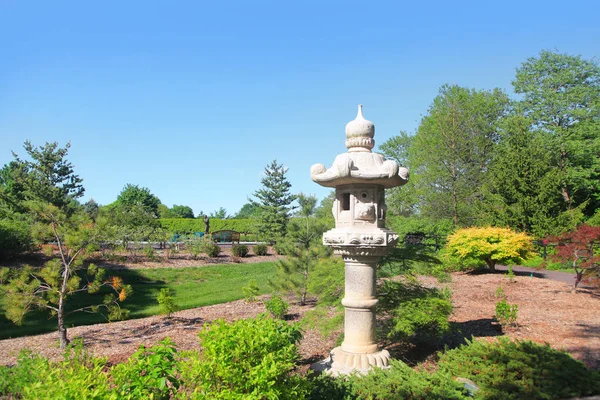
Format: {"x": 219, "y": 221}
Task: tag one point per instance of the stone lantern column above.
{"x": 359, "y": 177}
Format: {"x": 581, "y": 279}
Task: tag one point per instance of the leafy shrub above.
{"x": 260, "y": 249}
{"x": 277, "y": 307}
{"x": 15, "y": 238}
{"x": 211, "y": 249}
{"x": 414, "y": 311}
{"x": 506, "y": 314}
{"x": 239, "y": 250}
{"x": 252, "y": 358}
{"x": 30, "y": 368}
{"x": 77, "y": 376}
{"x": 475, "y": 247}
{"x": 519, "y": 370}
{"x": 166, "y": 302}
{"x": 149, "y": 373}
{"x": 251, "y": 290}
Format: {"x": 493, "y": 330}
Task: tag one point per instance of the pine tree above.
{"x": 275, "y": 203}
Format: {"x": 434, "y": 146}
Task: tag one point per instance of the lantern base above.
{"x": 341, "y": 362}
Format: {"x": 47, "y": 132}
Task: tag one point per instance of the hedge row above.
{"x": 186, "y": 226}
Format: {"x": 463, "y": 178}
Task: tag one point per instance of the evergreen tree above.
{"x": 523, "y": 189}
{"x": 275, "y": 202}
{"x": 46, "y": 176}
{"x": 562, "y": 98}
{"x": 303, "y": 249}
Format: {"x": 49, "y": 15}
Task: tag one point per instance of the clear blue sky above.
{"x": 193, "y": 99}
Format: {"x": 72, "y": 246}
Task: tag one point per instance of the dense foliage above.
{"x": 257, "y": 358}
{"x": 533, "y": 165}
{"x": 476, "y": 247}
{"x": 519, "y": 370}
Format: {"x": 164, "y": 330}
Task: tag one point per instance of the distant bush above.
{"x": 251, "y": 290}
{"x": 211, "y": 249}
{"x": 260, "y": 249}
{"x": 519, "y": 370}
{"x": 15, "y": 238}
{"x": 277, "y": 307}
{"x": 239, "y": 250}
{"x": 166, "y": 302}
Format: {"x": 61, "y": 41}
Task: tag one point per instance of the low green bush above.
{"x": 78, "y": 376}
{"x": 414, "y": 311}
{"x": 166, "y": 302}
{"x": 15, "y": 238}
{"x": 277, "y": 307}
{"x": 260, "y": 249}
{"x": 519, "y": 370}
{"x": 149, "y": 373}
{"x": 251, "y": 290}
{"x": 402, "y": 382}
{"x": 253, "y": 358}
{"x": 211, "y": 249}
{"x": 506, "y": 313}
{"x": 239, "y": 250}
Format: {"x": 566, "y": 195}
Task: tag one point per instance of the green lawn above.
{"x": 193, "y": 287}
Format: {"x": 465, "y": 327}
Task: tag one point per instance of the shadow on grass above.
{"x": 41, "y": 321}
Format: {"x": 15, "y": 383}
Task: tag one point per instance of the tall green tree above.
{"x": 221, "y": 213}
{"x": 452, "y": 149}
{"x": 523, "y": 186}
{"x": 133, "y": 195}
{"x": 400, "y": 200}
{"x": 561, "y": 95}
{"x": 182, "y": 211}
{"x": 46, "y": 175}
{"x": 275, "y": 202}
{"x": 248, "y": 210}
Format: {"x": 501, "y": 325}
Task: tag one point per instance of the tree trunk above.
{"x": 491, "y": 265}
{"x": 578, "y": 278}
{"x": 62, "y": 331}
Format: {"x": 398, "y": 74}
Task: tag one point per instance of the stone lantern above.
{"x": 360, "y": 237}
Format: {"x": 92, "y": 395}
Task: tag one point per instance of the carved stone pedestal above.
{"x": 359, "y": 352}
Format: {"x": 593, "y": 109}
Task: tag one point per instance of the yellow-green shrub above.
{"x": 474, "y": 247}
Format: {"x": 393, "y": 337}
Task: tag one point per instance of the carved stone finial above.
{"x": 359, "y": 133}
